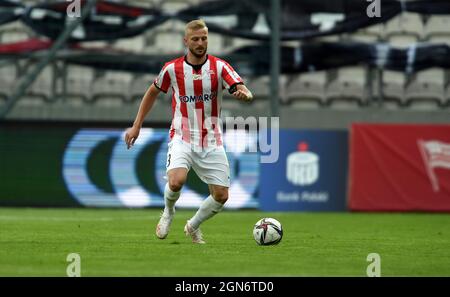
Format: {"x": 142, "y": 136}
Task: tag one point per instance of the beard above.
{"x": 196, "y": 54}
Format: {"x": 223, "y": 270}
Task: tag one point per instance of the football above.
{"x": 267, "y": 231}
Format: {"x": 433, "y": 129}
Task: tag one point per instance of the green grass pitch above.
{"x": 36, "y": 242}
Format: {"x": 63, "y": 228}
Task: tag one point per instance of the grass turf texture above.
{"x": 36, "y": 242}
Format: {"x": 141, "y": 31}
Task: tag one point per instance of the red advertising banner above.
{"x": 399, "y": 167}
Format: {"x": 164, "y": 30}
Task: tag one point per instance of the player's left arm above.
{"x": 242, "y": 93}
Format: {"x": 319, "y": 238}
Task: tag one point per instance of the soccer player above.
{"x": 197, "y": 81}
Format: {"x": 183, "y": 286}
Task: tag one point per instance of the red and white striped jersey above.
{"x": 196, "y": 98}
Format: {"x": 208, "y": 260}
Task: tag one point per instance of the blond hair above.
{"x": 195, "y": 25}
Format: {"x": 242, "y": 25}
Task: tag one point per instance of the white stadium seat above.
{"x": 307, "y": 88}
{"x": 78, "y": 83}
{"x": 364, "y": 36}
{"x": 350, "y": 87}
{"x": 427, "y": 87}
{"x": 8, "y": 75}
{"x": 139, "y": 85}
{"x": 43, "y": 85}
{"x": 405, "y": 24}
{"x": 31, "y": 101}
{"x": 134, "y": 44}
{"x": 447, "y": 95}
{"x": 112, "y": 88}
{"x": 159, "y": 41}
{"x": 402, "y": 41}
{"x": 375, "y": 30}
{"x": 440, "y": 39}
{"x": 394, "y": 84}
{"x": 437, "y": 25}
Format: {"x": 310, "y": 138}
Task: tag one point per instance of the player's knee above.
{"x": 221, "y": 196}
{"x": 175, "y": 185}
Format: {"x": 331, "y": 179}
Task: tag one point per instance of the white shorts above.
{"x": 211, "y": 165}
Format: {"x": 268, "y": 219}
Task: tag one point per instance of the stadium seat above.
{"x": 43, "y": 85}
{"x": 110, "y": 102}
{"x": 260, "y": 87}
{"x": 402, "y": 41}
{"x": 350, "y": 87}
{"x": 237, "y": 42}
{"x": 375, "y": 30}
{"x": 72, "y": 102}
{"x": 14, "y": 32}
{"x": 406, "y": 24}
{"x": 173, "y": 7}
{"x": 96, "y": 45}
{"x": 440, "y": 39}
{"x": 161, "y": 110}
{"x": 307, "y": 88}
{"x": 428, "y": 87}
{"x": 112, "y": 88}
{"x": 14, "y": 36}
{"x": 304, "y": 104}
{"x": 134, "y": 44}
{"x": 8, "y": 79}
{"x": 394, "y": 84}
{"x": 157, "y": 43}
{"x": 31, "y": 101}
{"x": 216, "y": 44}
{"x": 139, "y": 85}
{"x": 78, "y": 83}
{"x": 447, "y": 96}
{"x": 78, "y": 89}
{"x": 364, "y": 36}
{"x": 437, "y": 25}
{"x": 424, "y": 105}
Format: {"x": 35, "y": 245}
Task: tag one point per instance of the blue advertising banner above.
{"x": 129, "y": 183}
{"x": 310, "y": 174}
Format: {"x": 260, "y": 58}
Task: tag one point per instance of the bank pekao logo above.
{"x": 302, "y": 167}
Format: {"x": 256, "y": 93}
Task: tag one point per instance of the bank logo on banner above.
{"x": 313, "y": 167}
{"x": 434, "y": 154}
{"x": 302, "y": 168}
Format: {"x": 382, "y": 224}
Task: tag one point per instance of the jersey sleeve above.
{"x": 162, "y": 81}
{"x": 230, "y": 76}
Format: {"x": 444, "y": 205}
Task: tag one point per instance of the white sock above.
{"x": 208, "y": 209}
{"x": 170, "y": 197}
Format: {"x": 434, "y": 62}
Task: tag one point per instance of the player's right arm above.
{"x": 146, "y": 105}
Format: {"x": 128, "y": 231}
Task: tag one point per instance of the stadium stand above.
{"x": 354, "y": 88}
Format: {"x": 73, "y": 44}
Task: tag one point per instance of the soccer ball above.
{"x": 267, "y": 231}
